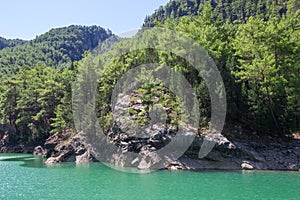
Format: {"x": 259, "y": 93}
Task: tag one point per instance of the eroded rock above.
{"x": 67, "y": 148}
{"x": 247, "y": 166}
{"x": 39, "y": 151}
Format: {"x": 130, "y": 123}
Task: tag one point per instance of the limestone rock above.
{"x": 294, "y": 167}
{"x": 247, "y": 166}
{"x": 39, "y": 151}
{"x": 53, "y": 160}
{"x": 86, "y": 157}
{"x": 67, "y": 148}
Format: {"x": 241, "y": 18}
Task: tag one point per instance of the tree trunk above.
{"x": 273, "y": 113}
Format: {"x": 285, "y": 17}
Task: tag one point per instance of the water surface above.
{"x": 25, "y": 177}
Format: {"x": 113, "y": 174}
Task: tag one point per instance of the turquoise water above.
{"x": 24, "y": 177}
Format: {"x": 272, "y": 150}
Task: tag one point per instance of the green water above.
{"x": 24, "y": 177}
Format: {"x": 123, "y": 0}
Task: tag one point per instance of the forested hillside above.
{"x": 257, "y": 52}
{"x": 10, "y": 43}
{"x": 258, "y": 59}
{"x": 36, "y": 78}
{"x": 227, "y": 10}
{"x": 255, "y": 45}
{"x": 54, "y": 48}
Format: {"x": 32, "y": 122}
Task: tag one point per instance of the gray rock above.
{"x": 247, "y": 166}
{"x": 71, "y": 151}
{"x": 149, "y": 160}
{"x": 293, "y": 167}
{"x": 214, "y": 156}
{"x": 157, "y": 136}
{"x": 84, "y": 158}
{"x": 239, "y": 152}
{"x": 53, "y": 160}
{"x": 39, "y": 151}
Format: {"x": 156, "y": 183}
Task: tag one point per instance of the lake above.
{"x": 25, "y": 177}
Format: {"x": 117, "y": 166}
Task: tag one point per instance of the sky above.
{"x": 25, "y": 19}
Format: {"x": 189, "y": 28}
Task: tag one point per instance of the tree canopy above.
{"x": 54, "y": 48}
{"x": 257, "y": 52}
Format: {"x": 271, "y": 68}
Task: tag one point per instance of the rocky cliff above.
{"x": 260, "y": 154}
{"x": 234, "y": 149}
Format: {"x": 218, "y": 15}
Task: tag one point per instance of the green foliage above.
{"x": 269, "y": 59}
{"x": 34, "y": 99}
{"x": 227, "y": 10}
{"x": 259, "y": 62}
{"x": 54, "y": 48}
{"x": 63, "y": 111}
{"x": 10, "y": 43}
{"x": 255, "y": 45}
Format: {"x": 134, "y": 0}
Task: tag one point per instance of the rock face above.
{"x": 66, "y": 147}
{"x": 248, "y": 154}
{"x": 39, "y": 151}
{"x": 234, "y": 152}
{"x": 228, "y": 154}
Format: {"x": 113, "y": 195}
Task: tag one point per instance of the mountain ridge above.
{"x": 227, "y": 10}
{"x": 54, "y": 48}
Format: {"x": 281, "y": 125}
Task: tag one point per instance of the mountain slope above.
{"x": 10, "y": 43}
{"x": 54, "y": 48}
{"x": 229, "y": 10}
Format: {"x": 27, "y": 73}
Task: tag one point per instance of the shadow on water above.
{"x": 26, "y": 160}
{"x": 31, "y": 161}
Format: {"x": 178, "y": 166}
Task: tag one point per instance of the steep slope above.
{"x": 54, "y": 48}
{"x": 229, "y": 10}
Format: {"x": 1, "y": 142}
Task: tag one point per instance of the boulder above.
{"x": 174, "y": 165}
{"x": 247, "y": 166}
{"x": 39, "y": 151}
{"x": 157, "y": 136}
{"x": 149, "y": 160}
{"x": 293, "y": 167}
{"x": 86, "y": 157}
{"x": 53, "y": 160}
{"x": 66, "y": 148}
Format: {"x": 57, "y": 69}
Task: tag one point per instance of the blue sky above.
{"x": 25, "y": 19}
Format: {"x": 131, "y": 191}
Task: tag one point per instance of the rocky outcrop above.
{"x": 39, "y": 151}
{"x": 140, "y": 148}
{"x": 65, "y": 147}
{"x": 248, "y": 154}
{"x": 227, "y": 154}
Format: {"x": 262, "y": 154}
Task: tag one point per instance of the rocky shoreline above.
{"x": 228, "y": 154}
{"x": 234, "y": 149}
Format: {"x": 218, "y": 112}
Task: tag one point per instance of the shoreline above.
{"x": 136, "y": 170}
{"x": 270, "y": 154}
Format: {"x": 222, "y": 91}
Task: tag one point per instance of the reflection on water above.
{"x": 26, "y": 177}
{"x": 26, "y": 160}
